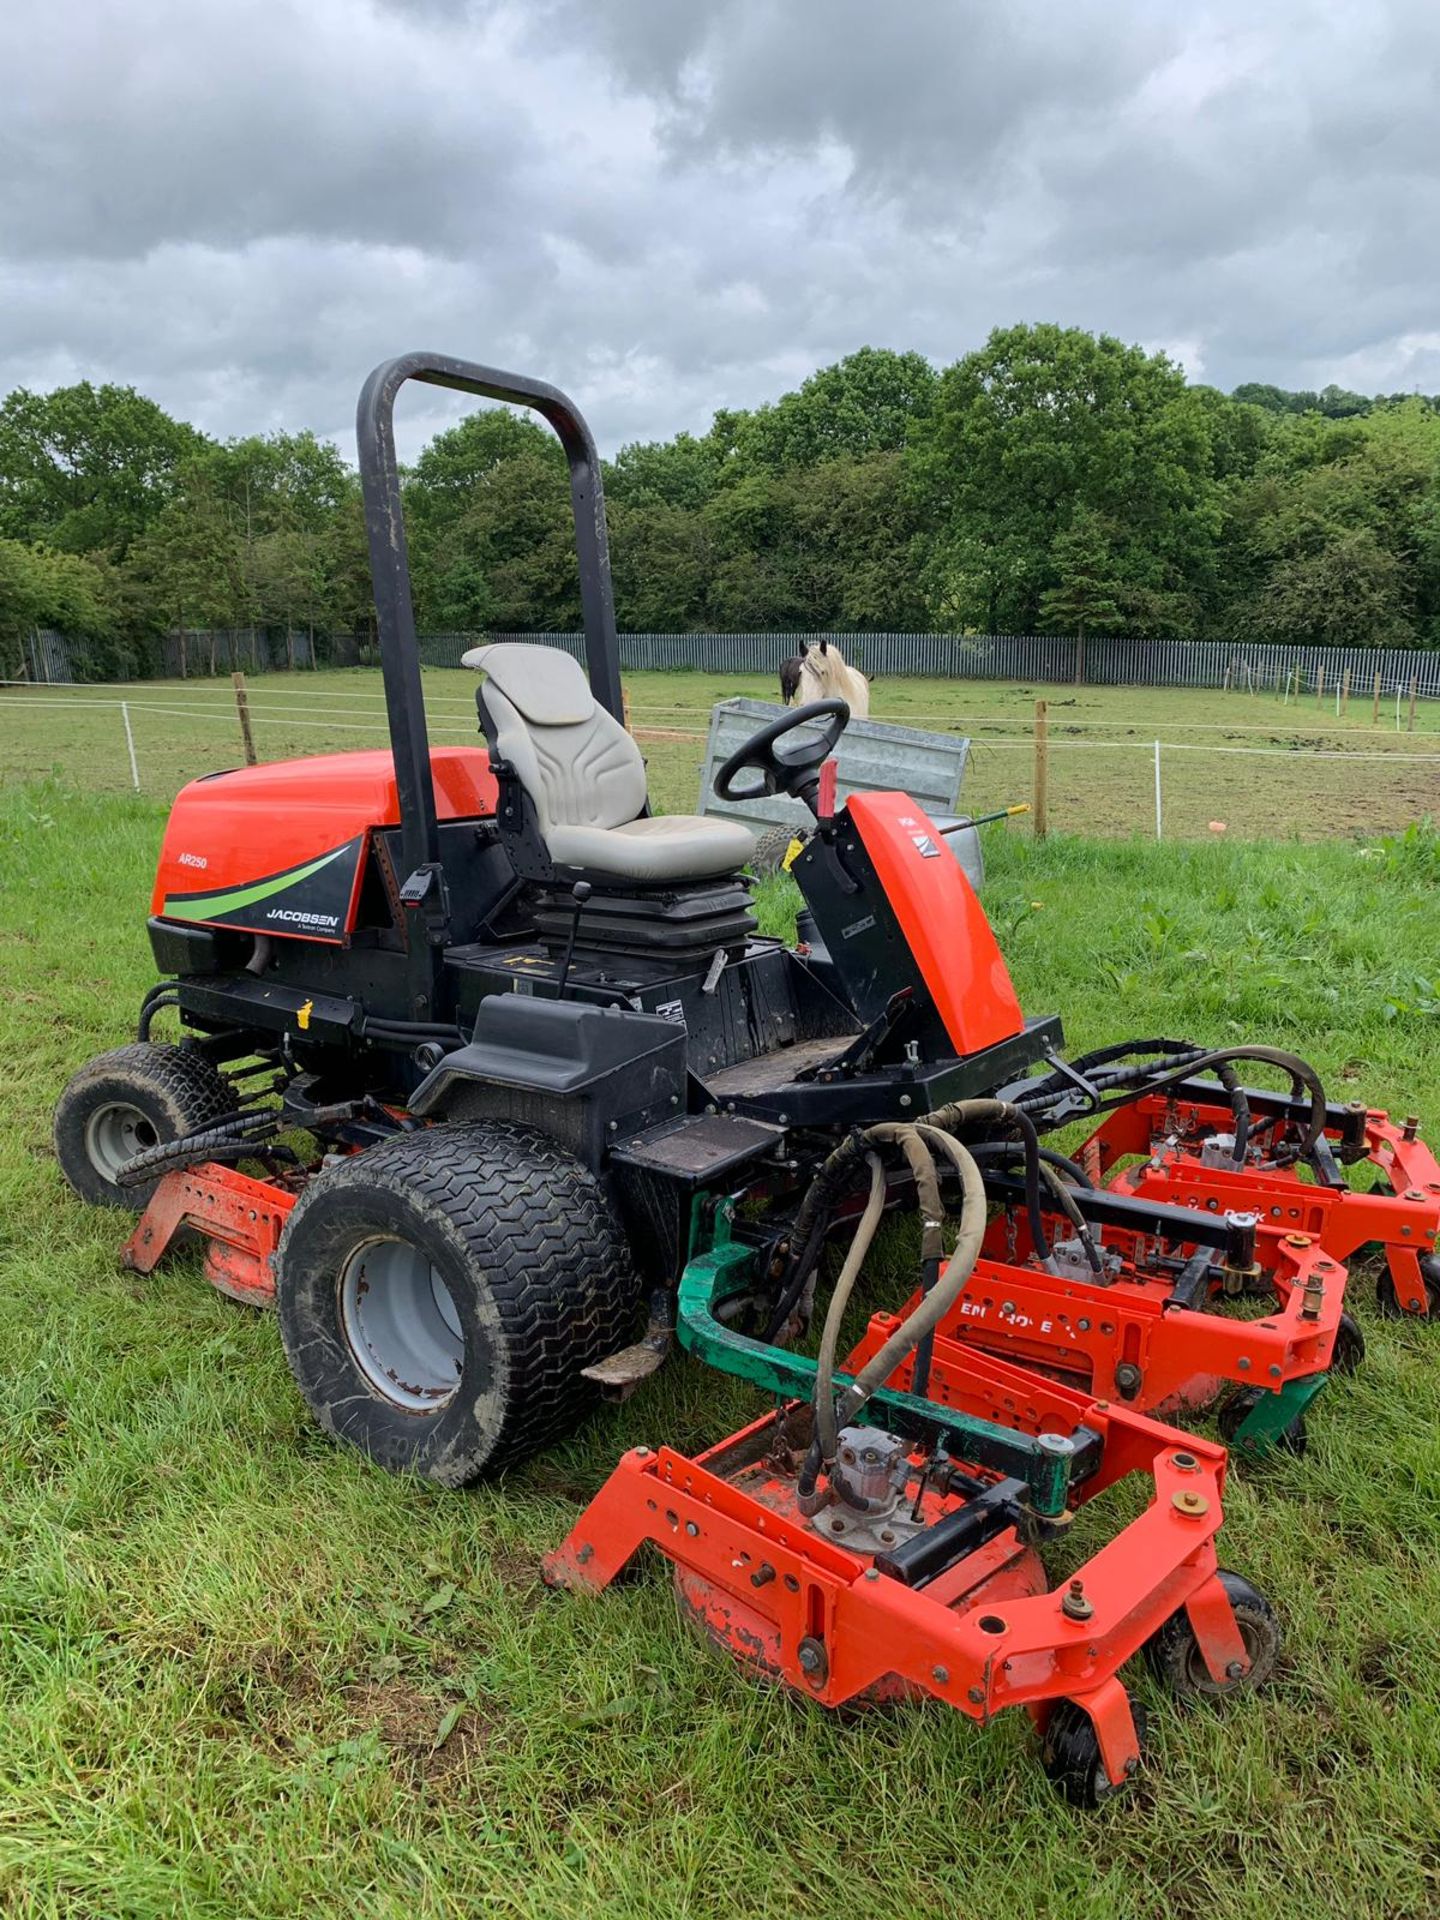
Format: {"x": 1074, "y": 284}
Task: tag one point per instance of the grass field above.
{"x": 1263, "y": 768}
{"x": 243, "y": 1674}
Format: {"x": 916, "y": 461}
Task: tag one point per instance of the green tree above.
{"x": 1347, "y": 592}
{"x": 87, "y": 468}
{"x": 869, "y": 402}
{"x": 1044, "y": 423}
{"x": 40, "y": 588}
{"x": 1088, "y": 593}
{"x": 188, "y": 567}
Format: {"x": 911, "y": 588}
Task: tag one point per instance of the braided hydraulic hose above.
{"x": 915, "y": 1139}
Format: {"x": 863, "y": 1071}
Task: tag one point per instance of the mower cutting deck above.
{"x": 1179, "y": 1147}
{"x": 917, "y": 1568}
{"x": 1179, "y": 1311}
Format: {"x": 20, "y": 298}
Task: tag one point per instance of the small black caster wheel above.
{"x": 1070, "y": 1755}
{"x": 1388, "y": 1301}
{"x": 1174, "y": 1653}
{"x": 1237, "y": 1409}
{"x": 1349, "y": 1348}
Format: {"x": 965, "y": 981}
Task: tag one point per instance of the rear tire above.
{"x": 122, "y": 1103}
{"x": 439, "y": 1295}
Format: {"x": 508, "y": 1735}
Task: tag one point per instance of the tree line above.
{"x": 1051, "y": 481}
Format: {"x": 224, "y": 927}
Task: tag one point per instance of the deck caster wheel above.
{"x": 1349, "y": 1348}
{"x": 1237, "y": 1410}
{"x": 122, "y": 1103}
{"x": 1070, "y": 1755}
{"x": 1388, "y": 1301}
{"x": 1174, "y": 1655}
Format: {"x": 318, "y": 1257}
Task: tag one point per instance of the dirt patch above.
{"x": 411, "y": 1725}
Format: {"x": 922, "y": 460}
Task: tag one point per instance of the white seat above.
{"x": 585, "y": 777}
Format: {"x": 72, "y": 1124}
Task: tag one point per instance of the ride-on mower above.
{"x": 569, "y": 1107}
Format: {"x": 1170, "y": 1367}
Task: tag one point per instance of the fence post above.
{"x": 1344, "y": 706}
{"x": 1320, "y": 684}
{"x": 242, "y": 707}
{"x": 1042, "y": 771}
{"x": 1375, "y": 709}
{"x": 1414, "y": 688}
{"x": 130, "y": 745}
{"x": 1159, "y": 811}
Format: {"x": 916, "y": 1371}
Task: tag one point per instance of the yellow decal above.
{"x": 302, "y": 1016}
{"x": 792, "y": 852}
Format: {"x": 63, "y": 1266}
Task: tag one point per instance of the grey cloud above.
{"x": 673, "y": 207}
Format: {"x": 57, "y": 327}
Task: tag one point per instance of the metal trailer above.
{"x": 874, "y": 756}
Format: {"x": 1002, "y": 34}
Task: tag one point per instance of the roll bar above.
{"x": 390, "y": 563}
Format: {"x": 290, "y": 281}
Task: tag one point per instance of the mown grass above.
{"x": 228, "y": 1650}
{"x": 1101, "y": 775}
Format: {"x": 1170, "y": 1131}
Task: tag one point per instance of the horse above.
{"x": 820, "y": 673}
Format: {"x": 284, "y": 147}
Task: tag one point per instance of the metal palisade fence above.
{"x": 1047, "y": 659}
{"x": 1044, "y": 659}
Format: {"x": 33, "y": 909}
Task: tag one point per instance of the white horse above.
{"x": 820, "y": 673}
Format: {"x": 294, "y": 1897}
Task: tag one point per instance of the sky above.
{"x": 669, "y": 206}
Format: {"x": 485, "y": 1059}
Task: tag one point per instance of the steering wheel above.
{"x": 796, "y": 773}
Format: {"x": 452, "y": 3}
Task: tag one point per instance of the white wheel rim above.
{"x": 399, "y": 1318}
{"x": 115, "y": 1133}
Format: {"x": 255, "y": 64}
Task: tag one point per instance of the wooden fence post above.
{"x": 1345, "y": 692}
{"x": 1414, "y": 688}
{"x": 242, "y": 707}
{"x": 1042, "y": 771}
{"x": 1375, "y": 709}
{"x": 1320, "y": 684}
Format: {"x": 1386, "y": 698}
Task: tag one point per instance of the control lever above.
{"x": 579, "y": 893}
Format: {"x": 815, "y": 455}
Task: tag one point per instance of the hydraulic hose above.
{"x": 831, "y": 1415}
{"x": 1010, "y": 1150}
{"x": 961, "y": 1113}
{"x": 1300, "y": 1071}
{"x": 840, "y": 1300}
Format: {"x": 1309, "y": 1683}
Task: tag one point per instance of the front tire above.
{"x": 123, "y": 1103}
{"x": 439, "y": 1295}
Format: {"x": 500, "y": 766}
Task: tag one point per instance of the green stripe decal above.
{"x": 206, "y": 905}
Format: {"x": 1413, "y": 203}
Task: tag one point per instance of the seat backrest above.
{"x": 577, "y": 763}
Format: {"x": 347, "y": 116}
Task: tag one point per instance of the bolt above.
{"x": 809, "y": 1658}
{"x": 1411, "y": 1127}
{"x": 1234, "y": 1671}
{"x": 1414, "y": 1193}
{"x": 941, "y": 1675}
{"x": 1191, "y": 1504}
{"x": 1297, "y": 1239}
{"x": 642, "y": 1453}
{"x": 692, "y": 1529}
{"x": 762, "y": 1576}
{"x": 872, "y": 1573}
{"x": 1075, "y": 1606}
{"x": 977, "y": 1696}
{"x": 1243, "y": 1363}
